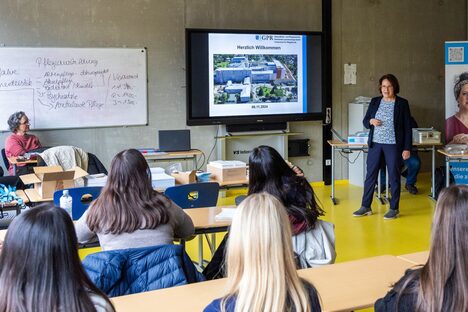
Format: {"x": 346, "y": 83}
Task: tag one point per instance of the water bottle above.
{"x": 66, "y": 202}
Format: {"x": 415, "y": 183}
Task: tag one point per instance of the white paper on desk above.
{"x": 226, "y": 214}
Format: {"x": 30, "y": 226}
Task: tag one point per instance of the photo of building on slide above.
{"x": 254, "y": 78}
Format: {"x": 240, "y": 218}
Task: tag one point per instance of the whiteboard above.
{"x": 74, "y": 87}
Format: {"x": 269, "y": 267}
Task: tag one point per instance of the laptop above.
{"x": 174, "y": 140}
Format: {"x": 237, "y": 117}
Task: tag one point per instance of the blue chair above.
{"x": 82, "y": 197}
{"x": 196, "y": 195}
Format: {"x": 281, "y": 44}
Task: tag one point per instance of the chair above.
{"x": 82, "y": 197}
{"x": 196, "y": 195}
{"x": 135, "y": 270}
{"x": 5, "y": 159}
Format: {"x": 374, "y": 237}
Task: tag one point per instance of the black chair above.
{"x": 5, "y": 159}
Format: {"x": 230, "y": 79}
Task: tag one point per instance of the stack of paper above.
{"x": 226, "y": 214}
{"x": 99, "y": 179}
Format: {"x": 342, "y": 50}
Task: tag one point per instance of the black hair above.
{"x": 268, "y": 172}
{"x": 39, "y": 265}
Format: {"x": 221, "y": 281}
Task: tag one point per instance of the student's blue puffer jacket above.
{"x": 129, "y": 271}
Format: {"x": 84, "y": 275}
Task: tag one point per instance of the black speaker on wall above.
{"x": 299, "y": 147}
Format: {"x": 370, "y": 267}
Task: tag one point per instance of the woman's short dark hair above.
{"x": 268, "y": 172}
{"x": 128, "y": 202}
{"x": 393, "y": 80}
{"x": 39, "y": 265}
{"x": 14, "y": 121}
{"x": 459, "y": 83}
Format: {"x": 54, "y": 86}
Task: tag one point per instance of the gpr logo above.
{"x": 263, "y": 37}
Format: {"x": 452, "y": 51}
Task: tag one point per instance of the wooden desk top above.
{"x": 14, "y": 161}
{"x": 20, "y": 194}
{"x": 204, "y": 218}
{"x": 173, "y": 155}
{"x": 416, "y": 258}
{"x": 338, "y": 143}
{"x": 443, "y": 152}
{"x": 34, "y": 196}
{"x": 343, "y": 287}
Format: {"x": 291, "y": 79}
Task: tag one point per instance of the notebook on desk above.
{"x": 174, "y": 140}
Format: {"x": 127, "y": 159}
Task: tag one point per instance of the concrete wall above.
{"x": 405, "y": 38}
{"x": 402, "y": 37}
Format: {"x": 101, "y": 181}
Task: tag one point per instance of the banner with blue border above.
{"x": 460, "y": 172}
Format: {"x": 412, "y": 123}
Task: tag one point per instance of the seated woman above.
{"x": 261, "y": 271}
{"x": 442, "y": 283}
{"x": 40, "y": 269}
{"x": 129, "y": 213}
{"x": 313, "y": 239}
{"x": 19, "y": 142}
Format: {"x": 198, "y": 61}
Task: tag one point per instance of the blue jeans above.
{"x": 413, "y": 165}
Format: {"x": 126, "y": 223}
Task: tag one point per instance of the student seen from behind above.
{"x": 261, "y": 272}
{"x": 40, "y": 269}
{"x": 442, "y": 283}
{"x": 129, "y": 213}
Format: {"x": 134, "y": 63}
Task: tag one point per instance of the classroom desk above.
{"x": 204, "y": 220}
{"x": 342, "y": 287}
{"x": 35, "y": 198}
{"x": 451, "y": 158}
{"x": 151, "y": 159}
{"x": 14, "y": 162}
{"x": 340, "y": 146}
{"x": 13, "y": 205}
{"x": 416, "y": 258}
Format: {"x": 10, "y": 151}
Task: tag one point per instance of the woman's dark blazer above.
{"x": 401, "y": 122}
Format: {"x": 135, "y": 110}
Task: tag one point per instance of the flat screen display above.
{"x": 236, "y": 77}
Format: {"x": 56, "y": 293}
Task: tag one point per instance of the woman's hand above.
{"x": 406, "y": 155}
{"x": 375, "y": 122}
{"x": 298, "y": 171}
{"x": 460, "y": 138}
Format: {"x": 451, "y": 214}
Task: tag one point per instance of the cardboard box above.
{"x": 227, "y": 172}
{"x": 49, "y": 179}
{"x": 185, "y": 177}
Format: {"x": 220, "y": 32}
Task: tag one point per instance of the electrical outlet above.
{"x": 327, "y": 162}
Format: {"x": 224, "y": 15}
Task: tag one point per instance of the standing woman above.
{"x": 19, "y": 142}
{"x": 388, "y": 118}
{"x": 40, "y": 269}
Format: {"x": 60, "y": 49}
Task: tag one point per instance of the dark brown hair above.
{"x": 393, "y": 80}
{"x": 39, "y": 265}
{"x": 128, "y": 202}
{"x": 443, "y": 283}
{"x": 268, "y": 172}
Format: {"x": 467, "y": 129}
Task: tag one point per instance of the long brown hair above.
{"x": 128, "y": 202}
{"x": 39, "y": 265}
{"x": 443, "y": 280}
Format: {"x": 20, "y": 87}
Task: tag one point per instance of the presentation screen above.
{"x": 250, "y": 76}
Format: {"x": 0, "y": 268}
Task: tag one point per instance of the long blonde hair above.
{"x": 260, "y": 265}
{"x": 443, "y": 280}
